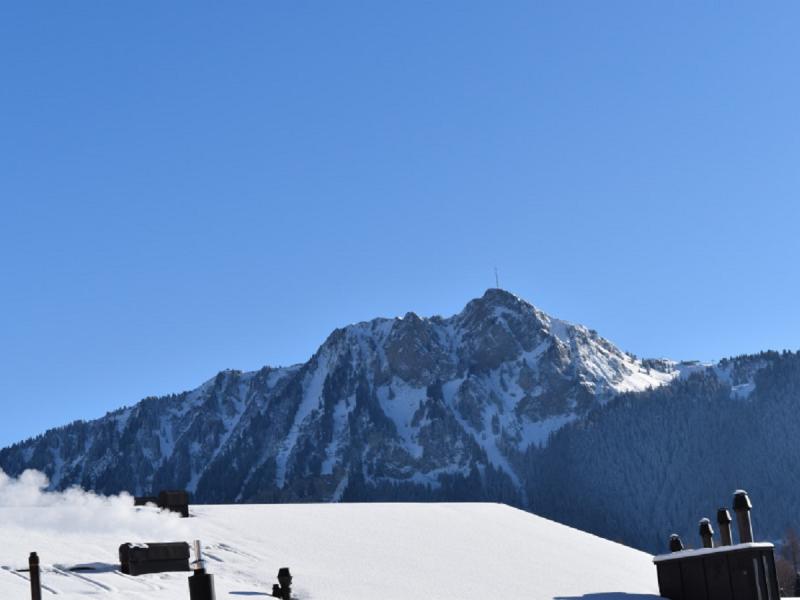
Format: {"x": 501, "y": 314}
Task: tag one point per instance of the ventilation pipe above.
{"x": 742, "y": 506}
{"x": 724, "y": 521}
{"x": 201, "y": 584}
{"x": 706, "y": 533}
{"x": 675, "y": 543}
{"x": 283, "y": 589}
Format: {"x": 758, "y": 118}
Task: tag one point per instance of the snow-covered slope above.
{"x": 414, "y": 408}
{"x": 335, "y": 552}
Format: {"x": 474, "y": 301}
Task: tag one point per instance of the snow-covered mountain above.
{"x": 411, "y": 407}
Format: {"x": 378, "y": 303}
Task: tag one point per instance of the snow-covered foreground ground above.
{"x": 335, "y": 551}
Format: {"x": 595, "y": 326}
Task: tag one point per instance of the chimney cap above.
{"x": 724, "y": 516}
{"x": 741, "y": 501}
{"x": 675, "y": 544}
{"x": 705, "y": 527}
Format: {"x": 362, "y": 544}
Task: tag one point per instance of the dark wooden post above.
{"x": 36, "y": 580}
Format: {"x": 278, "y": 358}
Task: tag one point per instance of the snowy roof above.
{"x": 335, "y": 552}
{"x": 704, "y": 551}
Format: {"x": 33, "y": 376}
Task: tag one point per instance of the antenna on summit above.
{"x": 496, "y": 279}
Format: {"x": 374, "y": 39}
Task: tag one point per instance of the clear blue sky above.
{"x": 191, "y": 186}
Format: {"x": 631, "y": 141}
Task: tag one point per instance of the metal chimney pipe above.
{"x": 201, "y": 584}
{"x": 36, "y": 581}
{"x": 742, "y": 506}
{"x": 724, "y": 521}
{"x": 675, "y": 543}
{"x": 198, "y": 556}
{"x": 706, "y": 533}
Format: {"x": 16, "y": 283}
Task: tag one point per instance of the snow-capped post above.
{"x": 675, "y": 543}
{"x": 201, "y": 584}
{"x": 742, "y": 506}
{"x": 706, "y": 533}
{"x": 36, "y": 581}
{"x": 724, "y": 521}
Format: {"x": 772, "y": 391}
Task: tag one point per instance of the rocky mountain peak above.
{"x": 497, "y": 302}
{"x": 501, "y": 297}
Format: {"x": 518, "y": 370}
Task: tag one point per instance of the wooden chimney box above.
{"x": 738, "y": 572}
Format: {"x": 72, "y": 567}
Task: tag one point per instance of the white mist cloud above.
{"x": 26, "y": 504}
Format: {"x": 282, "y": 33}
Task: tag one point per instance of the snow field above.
{"x": 335, "y": 552}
